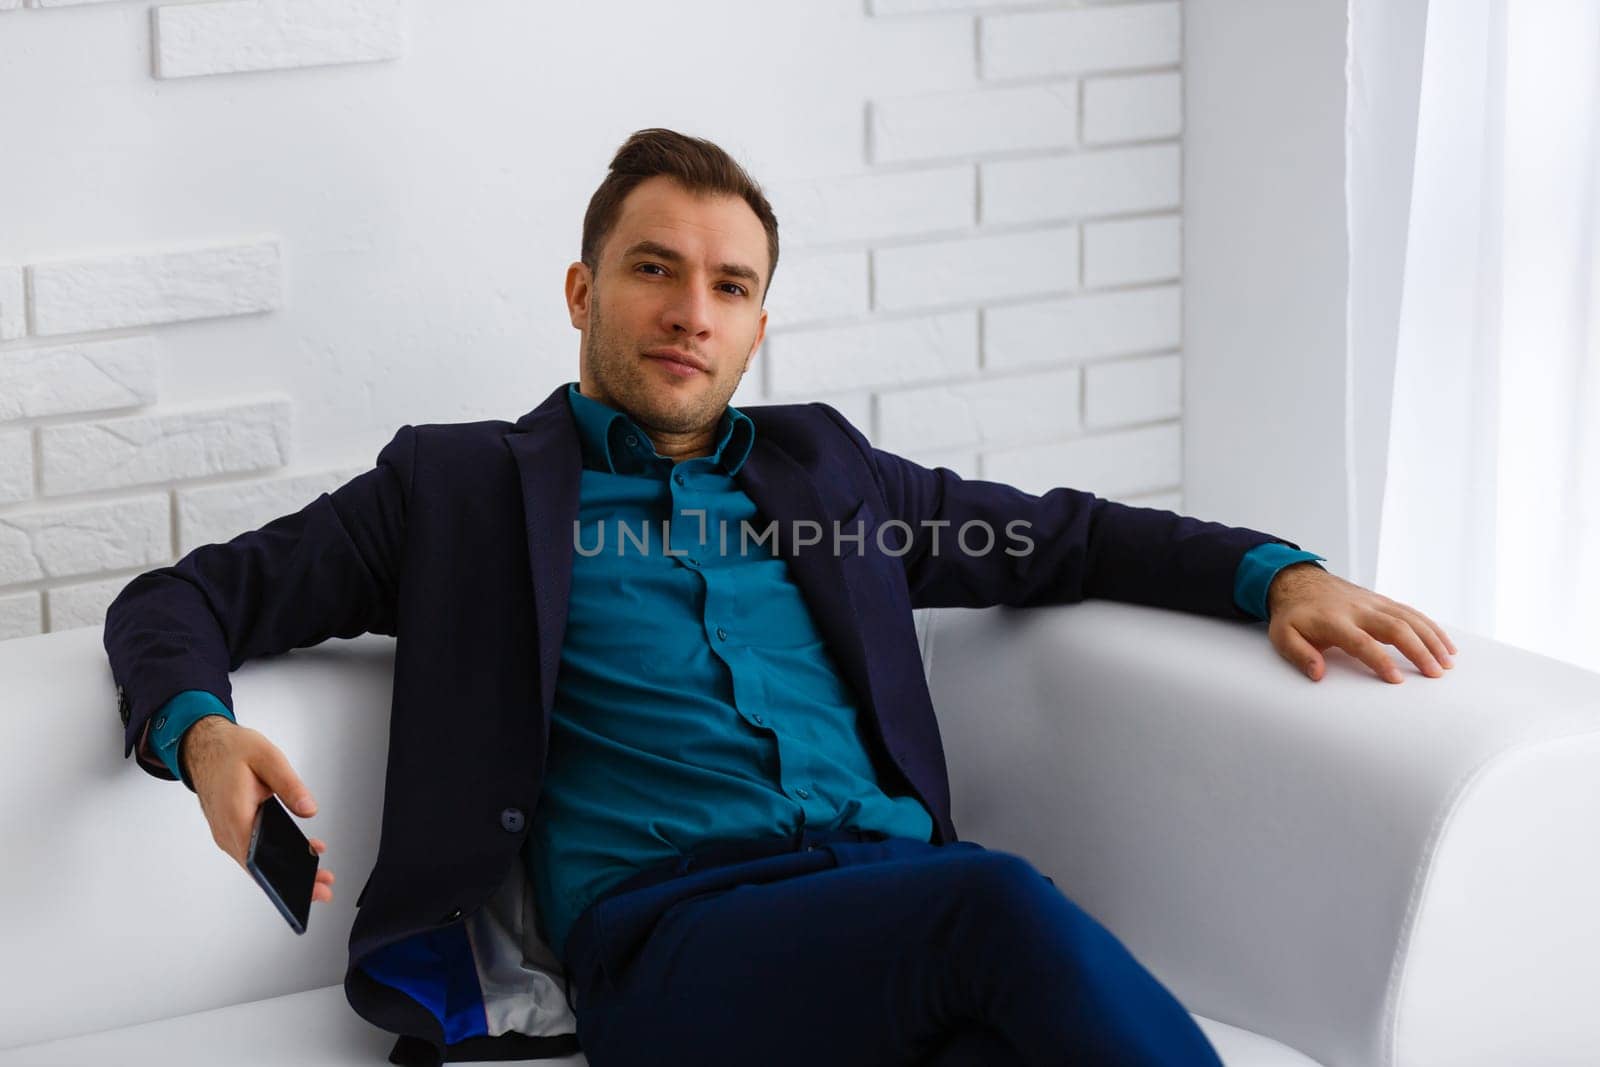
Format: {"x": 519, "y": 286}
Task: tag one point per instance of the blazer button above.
{"x": 511, "y": 820}
{"x": 453, "y": 916}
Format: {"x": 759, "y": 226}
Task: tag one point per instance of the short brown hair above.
{"x": 696, "y": 164}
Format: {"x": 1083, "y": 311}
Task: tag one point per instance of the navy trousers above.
{"x": 844, "y": 948}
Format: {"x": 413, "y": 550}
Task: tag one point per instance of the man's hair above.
{"x": 696, "y": 164}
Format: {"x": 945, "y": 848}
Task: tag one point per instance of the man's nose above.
{"x": 690, "y": 311}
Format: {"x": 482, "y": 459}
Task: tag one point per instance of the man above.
{"x": 687, "y": 800}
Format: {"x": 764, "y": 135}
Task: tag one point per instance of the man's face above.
{"x": 680, "y": 275}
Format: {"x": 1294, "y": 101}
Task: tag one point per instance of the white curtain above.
{"x": 1491, "y": 496}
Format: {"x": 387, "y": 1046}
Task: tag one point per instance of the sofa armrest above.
{"x": 1371, "y": 873}
{"x": 120, "y": 909}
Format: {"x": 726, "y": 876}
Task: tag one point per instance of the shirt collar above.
{"x": 611, "y": 441}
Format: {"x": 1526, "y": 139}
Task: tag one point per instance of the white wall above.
{"x": 1266, "y": 271}
{"x": 241, "y": 243}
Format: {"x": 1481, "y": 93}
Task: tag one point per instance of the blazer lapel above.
{"x": 782, "y": 490}
{"x": 550, "y": 467}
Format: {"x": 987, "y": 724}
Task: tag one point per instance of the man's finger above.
{"x": 1425, "y": 630}
{"x": 1399, "y": 632}
{"x": 1365, "y": 648}
{"x": 1302, "y": 653}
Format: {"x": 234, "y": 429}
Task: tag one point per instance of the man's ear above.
{"x": 580, "y": 286}
{"x": 761, "y": 333}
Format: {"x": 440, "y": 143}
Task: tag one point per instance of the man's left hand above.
{"x": 1310, "y": 610}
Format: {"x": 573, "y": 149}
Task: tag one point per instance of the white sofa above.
{"x": 1347, "y": 872}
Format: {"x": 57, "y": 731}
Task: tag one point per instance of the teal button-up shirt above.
{"x": 696, "y": 699}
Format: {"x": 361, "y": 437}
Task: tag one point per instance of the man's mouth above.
{"x": 680, "y": 363}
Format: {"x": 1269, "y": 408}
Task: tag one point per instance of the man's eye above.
{"x": 657, "y": 266}
{"x": 738, "y": 290}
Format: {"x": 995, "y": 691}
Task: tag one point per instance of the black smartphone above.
{"x": 283, "y": 862}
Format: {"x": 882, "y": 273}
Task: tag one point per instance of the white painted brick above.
{"x": 873, "y": 206}
{"x": 892, "y": 352}
{"x": 917, "y": 7}
{"x": 1132, "y": 250}
{"x": 68, "y": 3}
{"x": 1083, "y": 327}
{"x": 16, "y": 465}
{"x": 13, "y": 308}
{"x": 161, "y": 448}
{"x": 1161, "y": 501}
{"x": 817, "y": 285}
{"x": 7, "y": 5}
{"x": 88, "y": 376}
{"x": 1107, "y": 465}
{"x": 238, "y": 35}
{"x": 103, "y": 294}
{"x": 1138, "y": 108}
{"x": 973, "y": 122}
{"x": 1033, "y": 45}
{"x": 995, "y": 411}
{"x": 215, "y": 514}
{"x": 20, "y": 613}
{"x": 1084, "y": 183}
{"x": 1132, "y": 390}
{"x": 72, "y": 606}
{"x": 86, "y": 539}
{"x": 975, "y": 269}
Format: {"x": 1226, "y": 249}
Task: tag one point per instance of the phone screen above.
{"x": 282, "y": 862}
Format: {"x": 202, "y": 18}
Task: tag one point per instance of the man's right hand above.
{"x": 234, "y": 769}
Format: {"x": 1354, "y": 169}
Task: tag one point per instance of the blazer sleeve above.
{"x": 1062, "y": 547}
{"x": 330, "y": 569}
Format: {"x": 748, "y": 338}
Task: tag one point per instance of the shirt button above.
{"x": 722, "y": 635}
{"x": 631, "y": 440}
{"x": 802, "y": 794}
{"x": 678, "y": 478}
{"x": 759, "y": 721}
{"x": 691, "y": 561}
{"x": 160, "y": 723}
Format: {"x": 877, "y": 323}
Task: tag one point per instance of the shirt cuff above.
{"x": 1257, "y": 569}
{"x": 176, "y": 716}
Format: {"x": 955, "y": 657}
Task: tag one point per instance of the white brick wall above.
{"x": 241, "y": 35}
{"x": 1130, "y": 251}
{"x": 20, "y": 613}
{"x": 1083, "y": 327}
{"x": 1082, "y": 184}
{"x": 139, "y": 290}
{"x": 968, "y": 123}
{"x": 1032, "y": 45}
{"x": 873, "y": 206}
{"x": 1125, "y": 391}
{"x": 997, "y": 411}
{"x": 214, "y": 514}
{"x": 146, "y": 449}
{"x": 987, "y": 279}
{"x": 13, "y": 310}
{"x": 976, "y": 269}
{"x": 1137, "y": 108}
{"x": 885, "y": 352}
{"x": 16, "y": 465}
{"x": 83, "y": 604}
{"x": 65, "y": 542}
{"x": 1111, "y": 465}
{"x": 88, "y": 376}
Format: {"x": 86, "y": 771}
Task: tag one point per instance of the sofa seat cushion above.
{"x": 318, "y": 1028}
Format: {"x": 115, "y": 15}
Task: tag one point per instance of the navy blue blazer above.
{"x": 459, "y": 543}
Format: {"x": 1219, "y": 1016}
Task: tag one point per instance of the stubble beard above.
{"x": 623, "y": 375}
